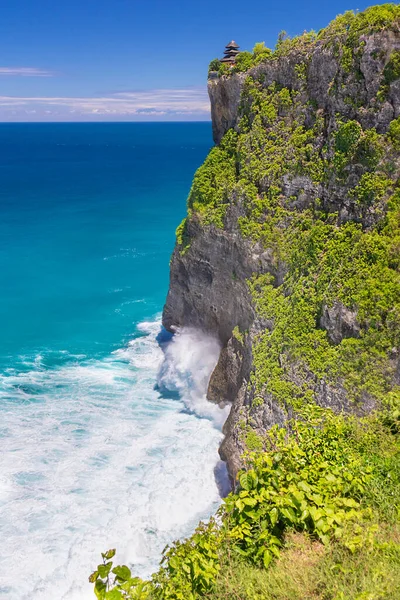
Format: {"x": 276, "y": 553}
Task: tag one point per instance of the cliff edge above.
{"x": 290, "y": 252}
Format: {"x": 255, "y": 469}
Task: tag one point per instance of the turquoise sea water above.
{"x": 95, "y": 449}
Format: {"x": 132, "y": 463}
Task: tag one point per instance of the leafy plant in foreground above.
{"x": 121, "y": 586}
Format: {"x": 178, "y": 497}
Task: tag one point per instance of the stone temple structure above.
{"x": 230, "y": 53}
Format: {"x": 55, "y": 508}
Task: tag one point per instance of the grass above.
{"x": 307, "y": 570}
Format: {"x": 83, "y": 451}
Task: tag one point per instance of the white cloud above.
{"x": 158, "y": 102}
{"x": 25, "y": 72}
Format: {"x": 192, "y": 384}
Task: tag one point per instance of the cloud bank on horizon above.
{"x": 191, "y": 103}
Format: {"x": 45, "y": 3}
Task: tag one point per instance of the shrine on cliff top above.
{"x": 230, "y": 53}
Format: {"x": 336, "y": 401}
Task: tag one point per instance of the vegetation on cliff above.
{"x": 345, "y": 32}
{"x": 333, "y": 480}
{"x": 316, "y": 509}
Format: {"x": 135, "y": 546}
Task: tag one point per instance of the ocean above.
{"x": 106, "y": 438}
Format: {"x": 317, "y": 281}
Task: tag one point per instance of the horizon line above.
{"x": 97, "y": 122}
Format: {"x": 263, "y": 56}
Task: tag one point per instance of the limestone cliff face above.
{"x": 209, "y": 277}
{"x": 324, "y": 71}
{"x": 225, "y": 99}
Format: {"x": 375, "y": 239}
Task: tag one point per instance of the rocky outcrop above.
{"x": 208, "y": 286}
{"x": 208, "y": 282}
{"x": 340, "y": 322}
{"x": 225, "y": 98}
{"x": 230, "y": 372}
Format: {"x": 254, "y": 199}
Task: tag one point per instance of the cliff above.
{"x": 290, "y": 255}
{"x": 290, "y": 250}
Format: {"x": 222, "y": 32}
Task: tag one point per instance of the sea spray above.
{"x": 94, "y": 455}
{"x": 190, "y": 358}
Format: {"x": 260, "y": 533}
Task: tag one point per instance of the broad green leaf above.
{"x": 273, "y": 515}
{"x": 122, "y": 572}
{"x": 100, "y": 589}
{"x": 275, "y": 541}
{"x": 239, "y": 504}
{"x": 109, "y": 554}
{"x": 303, "y": 485}
{"x": 250, "y": 501}
{"x": 248, "y": 480}
{"x": 104, "y": 569}
{"x": 275, "y": 551}
{"x": 113, "y": 595}
{"x": 174, "y": 562}
{"x": 267, "y": 558}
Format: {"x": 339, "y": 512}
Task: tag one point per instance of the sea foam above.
{"x": 119, "y": 452}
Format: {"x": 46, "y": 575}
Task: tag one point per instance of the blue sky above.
{"x": 102, "y": 60}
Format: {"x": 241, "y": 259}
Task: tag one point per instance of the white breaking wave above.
{"x": 189, "y": 360}
{"x": 94, "y": 456}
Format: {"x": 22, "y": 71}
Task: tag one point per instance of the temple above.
{"x": 230, "y": 53}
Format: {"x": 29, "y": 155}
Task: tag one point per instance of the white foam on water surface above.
{"x": 94, "y": 456}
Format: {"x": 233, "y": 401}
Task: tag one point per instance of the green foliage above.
{"x": 182, "y": 235}
{"x": 346, "y": 61}
{"x": 350, "y": 26}
{"x": 214, "y": 65}
{"x": 252, "y": 440}
{"x": 353, "y": 145}
{"x": 329, "y": 264}
{"x": 224, "y": 69}
{"x": 308, "y": 570}
{"x": 301, "y": 70}
{"x": 324, "y": 479}
{"x": 257, "y": 401}
{"x": 348, "y": 136}
{"x": 371, "y": 188}
{"x": 243, "y": 62}
{"x": 261, "y": 53}
{"x": 238, "y": 335}
{"x": 117, "y": 583}
{"x": 392, "y": 69}
{"x": 189, "y": 569}
{"x": 394, "y": 133}
{"x": 214, "y": 181}
{"x": 313, "y": 482}
{"x": 282, "y": 36}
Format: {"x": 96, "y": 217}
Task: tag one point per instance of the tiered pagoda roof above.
{"x": 230, "y": 53}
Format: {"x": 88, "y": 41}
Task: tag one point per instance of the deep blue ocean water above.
{"x": 93, "y": 454}
{"x": 88, "y": 216}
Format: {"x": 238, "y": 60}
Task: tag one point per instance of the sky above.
{"x": 132, "y": 60}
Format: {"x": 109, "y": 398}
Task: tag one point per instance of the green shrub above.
{"x": 243, "y": 62}
{"x": 182, "y": 235}
{"x": 261, "y": 53}
{"x": 224, "y": 69}
{"x": 238, "y": 335}
{"x": 394, "y": 133}
{"x": 348, "y": 136}
{"x": 353, "y": 146}
{"x": 214, "y": 65}
{"x": 371, "y": 188}
{"x": 323, "y": 479}
{"x": 392, "y": 69}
